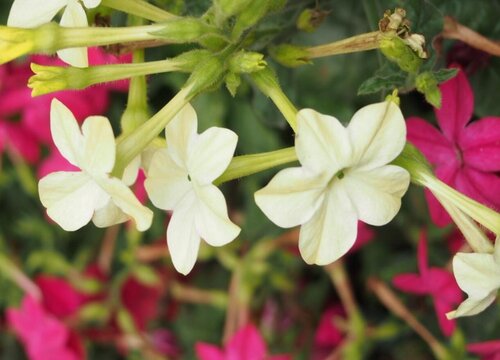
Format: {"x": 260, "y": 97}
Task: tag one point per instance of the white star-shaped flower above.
{"x": 72, "y": 199}
{"x": 180, "y": 179}
{"x": 344, "y": 178}
{"x": 477, "y": 274}
{"x": 33, "y": 13}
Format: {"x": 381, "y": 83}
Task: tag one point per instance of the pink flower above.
{"x": 246, "y": 344}
{"x": 438, "y": 283}
{"x": 328, "y": 336}
{"x": 43, "y": 335}
{"x": 365, "y": 235}
{"x": 466, "y": 154}
{"x": 488, "y": 350}
{"x": 59, "y": 297}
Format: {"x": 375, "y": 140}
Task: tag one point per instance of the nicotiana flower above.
{"x": 478, "y": 274}
{"x": 436, "y": 282}
{"x": 344, "y": 177}
{"x": 32, "y": 13}
{"x": 72, "y": 199}
{"x": 466, "y": 154}
{"x": 180, "y": 179}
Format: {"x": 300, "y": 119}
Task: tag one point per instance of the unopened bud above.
{"x": 395, "y": 49}
{"x": 427, "y": 84}
{"x": 246, "y": 62}
{"x": 310, "y": 19}
{"x": 233, "y": 82}
{"x": 290, "y": 55}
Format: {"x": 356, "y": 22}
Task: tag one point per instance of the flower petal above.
{"x": 71, "y": 198}
{"x": 481, "y": 186}
{"x": 246, "y": 344}
{"x": 32, "y": 13}
{"x": 166, "y": 183}
{"x": 74, "y": 16}
{"x": 212, "y": 221}
{"x": 208, "y": 352}
{"x": 322, "y": 142}
{"x": 182, "y": 237}
{"x": 472, "y": 306}
{"x": 378, "y": 134}
{"x": 411, "y": 283}
{"x": 376, "y": 194}
{"x": 292, "y": 197}
{"x": 125, "y": 199}
{"x": 211, "y": 154}
{"x": 109, "y": 215}
{"x": 480, "y": 144}
{"x": 66, "y": 133}
{"x": 180, "y": 133}
{"x": 90, "y": 4}
{"x": 457, "y": 105}
{"x": 332, "y": 230}
{"x": 446, "y": 173}
{"x": 99, "y": 145}
{"x": 436, "y": 148}
{"x": 442, "y": 308}
{"x": 477, "y": 274}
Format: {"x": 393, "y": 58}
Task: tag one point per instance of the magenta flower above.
{"x": 44, "y": 337}
{"x": 59, "y": 297}
{"x": 466, "y": 154}
{"x": 328, "y": 336}
{"x": 488, "y": 350}
{"x": 436, "y": 282}
{"x": 246, "y": 344}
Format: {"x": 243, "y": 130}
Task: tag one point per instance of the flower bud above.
{"x": 185, "y": 30}
{"x": 310, "y": 19}
{"x": 290, "y": 55}
{"x": 246, "y": 62}
{"x": 427, "y": 84}
{"x": 15, "y": 42}
{"x": 396, "y": 50}
{"x": 48, "y": 79}
{"x": 233, "y": 82}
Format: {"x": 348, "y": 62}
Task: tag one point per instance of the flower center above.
{"x": 459, "y": 155}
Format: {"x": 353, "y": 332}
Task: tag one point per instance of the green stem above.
{"x": 363, "y": 42}
{"x": 267, "y": 83}
{"x": 139, "y": 8}
{"x": 246, "y": 165}
{"x": 9, "y": 269}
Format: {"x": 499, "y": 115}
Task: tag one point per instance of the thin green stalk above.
{"x": 139, "y": 8}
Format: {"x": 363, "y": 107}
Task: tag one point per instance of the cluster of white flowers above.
{"x": 344, "y": 177}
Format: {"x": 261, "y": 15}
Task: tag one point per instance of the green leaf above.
{"x": 443, "y": 75}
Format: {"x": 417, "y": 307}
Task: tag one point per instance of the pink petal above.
{"x": 485, "y": 348}
{"x": 457, "y": 106}
{"x": 141, "y": 301}
{"x": 365, "y": 235}
{"x": 480, "y": 186}
{"x": 279, "y": 357}
{"x": 480, "y": 144}
{"x": 246, "y": 344}
{"x": 208, "y": 352}
{"x": 442, "y": 285}
{"x": 21, "y": 141}
{"x": 410, "y": 283}
{"x": 447, "y": 326}
{"x": 59, "y": 297}
{"x": 436, "y": 148}
{"x": 327, "y": 334}
{"x": 55, "y": 162}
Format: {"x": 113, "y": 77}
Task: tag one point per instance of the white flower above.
{"x": 344, "y": 177}
{"x": 72, "y": 199}
{"x": 33, "y": 13}
{"x": 180, "y": 179}
{"x": 477, "y": 274}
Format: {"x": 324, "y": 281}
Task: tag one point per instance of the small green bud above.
{"x": 427, "y": 84}
{"x": 395, "y": 49}
{"x": 394, "y": 97}
{"x": 310, "y": 19}
{"x": 48, "y": 79}
{"x": 255, "y": 11}
{"x": 185, "y": 30}
{"x": 233, "y": 82}
{"x": 95, "y": 312}
{"x": 246, "y": 62}
{"x": 87, "y": 286}
{"x": 290, "y": 55}
{"x": 125, "y": 321}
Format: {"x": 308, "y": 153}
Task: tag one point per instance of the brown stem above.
{"x": 108, "y": 248}
{"x": 363, "y": 42}
{"x": 391, "y": 301}
{"x": 340, "y": 280}
{"x": 151, "y": 253}
{"x": 237, "y": 314}
{"x": 195, "y": 295}
{"x": 452, "y": 29}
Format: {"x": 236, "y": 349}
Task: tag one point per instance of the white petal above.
{"x": 32, "y": 13}
{"x": 132, "y": 171}
{"x": 180, "y": 132}
{"x": 476, "y": 274}
{"x": 212, "y": 221}
{"x": 71, "y": 198}
{"x": 376, "y": 194}
{"x": 166, "y": 183}
{"x": 322, "y": 142}
{"x": 378, "y": 134}
{"x": 292, "y": 196}
{"x": 109, "y": 215}
{"x": 182, "y": 237}
{"x": 332, "y": 230}
{"x": 74, "y": 16}
{"x": 65, "y": 132}
{"x": 211, "y": 154}
{"x": 472, "y": 306}
{"x": 125, "y": 199}
{"x": 90, "y": 4}
{"x": 99, "y": 145}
